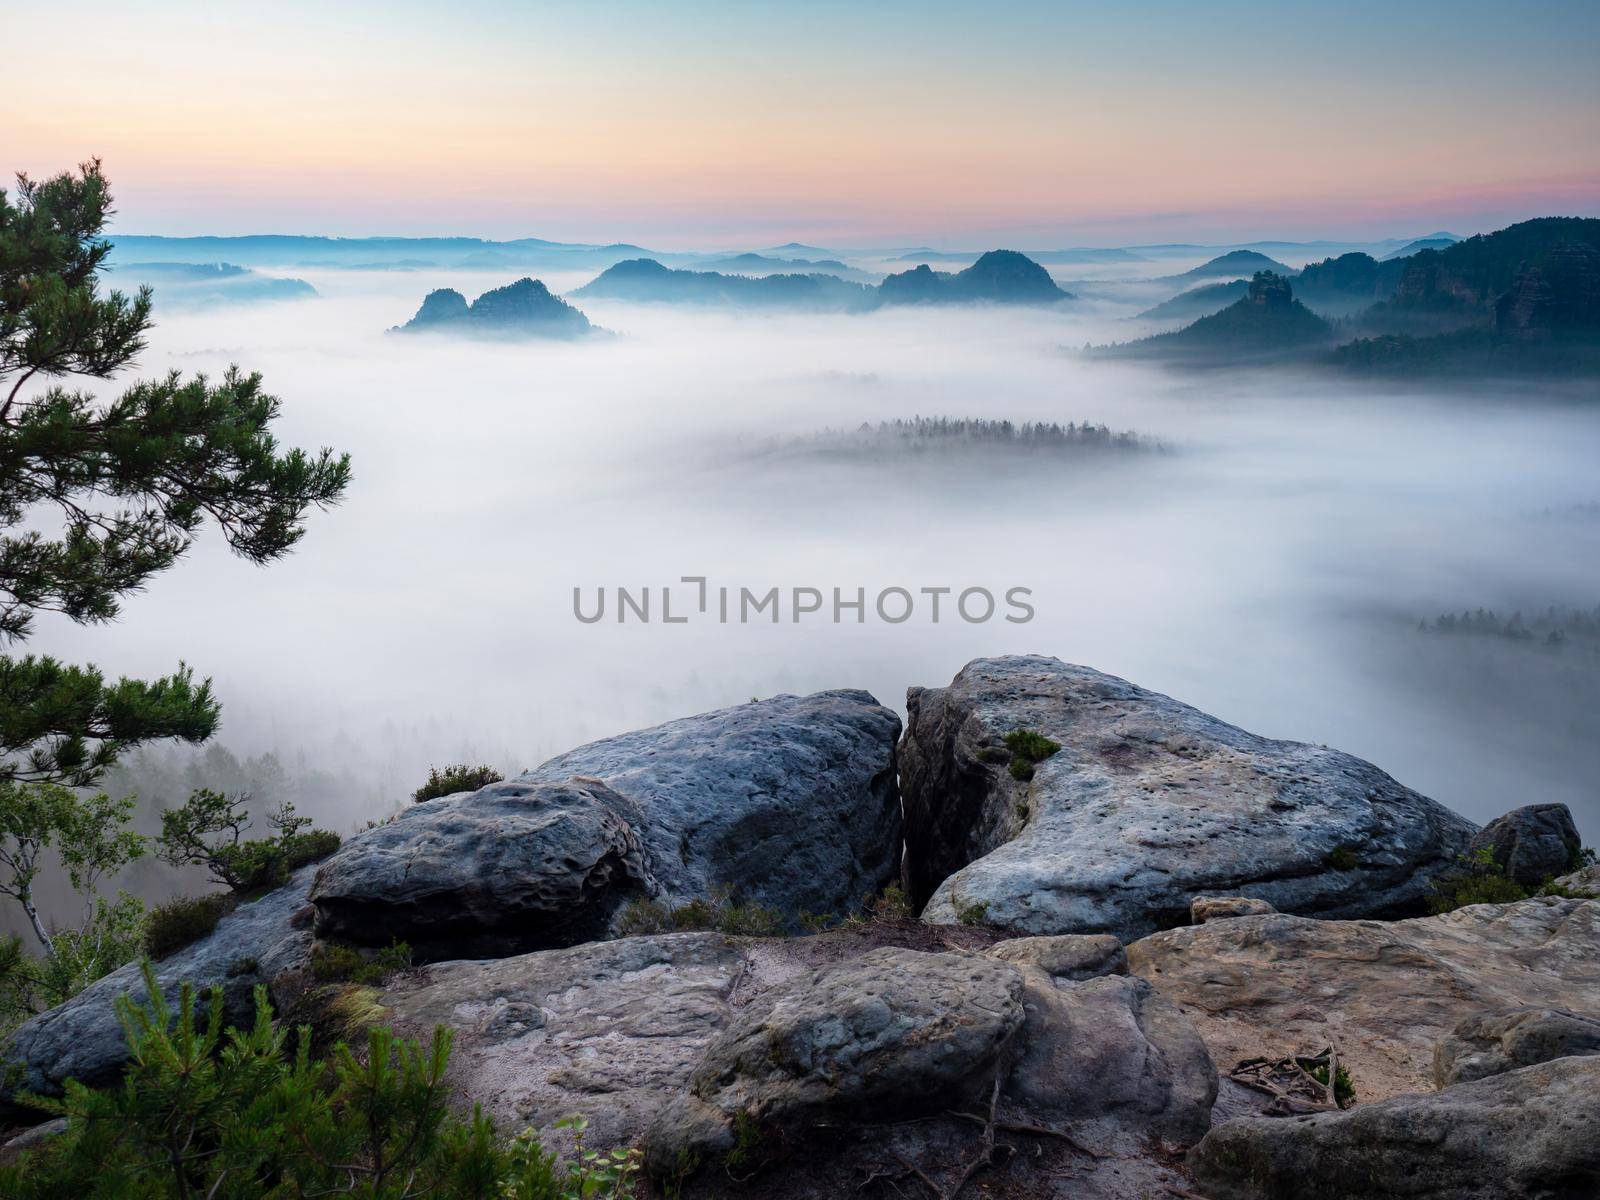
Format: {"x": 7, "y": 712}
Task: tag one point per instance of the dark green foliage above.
{"x": 208, "y": 831}
{"x": 975, "y": 912}
{"x": 96, "y": 496}
{"x": 238, "y": 1115}
{"x": 1028, "y": 747}
{"x": 453, "y": 779}
{"x": 1344, "y": 1088}
{"x": 1342, "y": 858}
{"x": 1480, "y": 880}
{"x": 332, "y": 962}
{"x": 720, "y": 912}
{"x": 178, "y": 923}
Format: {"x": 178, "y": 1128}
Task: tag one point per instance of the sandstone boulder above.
{"x": 1584, "y": 881}
{"x": 1382, "y": 992}
{"x": 82, "y": 1039}
{"x": 789, "y": 802}
{"x": 1148, "y": 804}
{"x": 1498, "y": 1040}
{"x": 1070, "y": 956}
{"x": 1531, "y": 844}
{"x": 896, "y": 1034}
{"x": 1529, "y": 1134}
{"x": 515, "y": 866}
{"x": 1220, "y": 908}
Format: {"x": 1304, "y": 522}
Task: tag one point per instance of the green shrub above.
{"x": 236, "y": 1114}
{"x": 178, "y": 923}
{"x": 457, "y": 778}
{"x": 208, "y": 831}
{"x": 1342, "y": 858}
{"x": 749, "y": 920}
{"x": 973, "y": 913}
{"x": 892, "y": 904}
{"x": 1480, "y": 880}
{"x": 640, "y": 917}
{"x": 1344, "y": 1089}
{"x": 335, "y": 962}
{"x": 1028, "y": 747}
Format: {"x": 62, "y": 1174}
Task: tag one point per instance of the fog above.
{"x": 1272, "y": 568}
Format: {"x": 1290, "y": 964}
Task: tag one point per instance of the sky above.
{"x": 703, "y": 125}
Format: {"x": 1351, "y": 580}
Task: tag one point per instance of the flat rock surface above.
{"x": 846, "y": 1034}
{"x": 1148, "y": 804}
{"x": 1530, "y": 1134}
{"x": 789, "y": 802}
{"x": 1384, "y": 992}
{"x": 82, "y": 1039}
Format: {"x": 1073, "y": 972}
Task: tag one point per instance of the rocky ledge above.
{"x": 997, "y": 1034}
{"x": 1147, "y": 805}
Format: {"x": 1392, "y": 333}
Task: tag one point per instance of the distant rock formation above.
{"x": 197, "y": 285}
{"x": 1237, "y": 264}
{"x": 646, "y": 280}
{"x": 525, "y": 308}
{"x": 1200, "y": 301}
{"x": 1266, "y": 321}
{"x": 998, "y": 277}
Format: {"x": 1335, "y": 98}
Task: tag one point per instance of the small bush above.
{"x": 974, "y": 913}
{"x": 719, "y": 911}
{"x": 303, "y": 849}
{"x": 208, "y": 831}
{"x": 816, "y": 922}
{"x": 205, "y": 1111}
{"x": 1342, "y": 858}
{"x": 1480, "y": 881}
{"x": 1344, "y": 1089}
{"x": 1028, "y": 747}
{"x": 640, "y": 917}
{"x": 178, "y": 923}
{"x": 891, "y": 904}
{"x": 457, "y": 778}
{"x": 334, "y": 962}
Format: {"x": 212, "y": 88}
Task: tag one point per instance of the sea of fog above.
{"x": 1272, "y": 568}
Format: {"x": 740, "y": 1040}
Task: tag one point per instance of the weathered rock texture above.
{"x": 1383, "y": 992}
{"x": 1220, "y": 908}
{"x": 894, "y": 1035}
{"x": 1070, "y": 956}
{"x": 788, "y": 802}
{"x": 690, "y": 1041}
{"x": 82, "y": 1039}
{"x": 1502, "y": 1039}
{"x": 512, "y": 867}
{"x": 1530, "y": 1134}
{"x": 1149, "y": 804}
{"x": 1531, "y": 844}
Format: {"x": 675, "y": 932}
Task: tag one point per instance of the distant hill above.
{"x": 1547, "y": 320}
{"x": 521, "y": 309}
{"x": 1266, "y": 322}
{"x": 1085, "y": 254}
{"x": 1198, "y": 302}
{"x": 761, "y": 264}
{"x": 998, "y": 277}
{"x": 373, "y": 253}
{"x": 1349, "y": 283}
{"x": 1236, "y": 264}
{"x": 193, "y": 285}
{"x": 644, "y": 279}
{"x": 1471, "y": 274}
{"x": 1430, "y": 243}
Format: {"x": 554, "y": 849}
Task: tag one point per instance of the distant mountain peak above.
{"x": 523, "y": 307}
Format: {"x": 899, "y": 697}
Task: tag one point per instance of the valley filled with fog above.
{"x": 1269, "y": 553}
